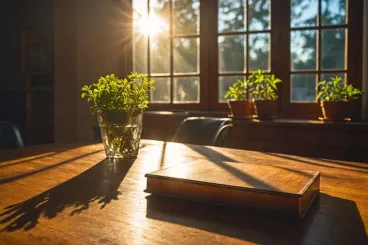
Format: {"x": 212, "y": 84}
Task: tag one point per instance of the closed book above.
{"x": 243, "y": 185}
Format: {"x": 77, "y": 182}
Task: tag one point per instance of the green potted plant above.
{"x": 239, "y": 104}
{"x": 263, "y": 89}
{"x": 119, "y": 105}
{"x": 334, "y": 98}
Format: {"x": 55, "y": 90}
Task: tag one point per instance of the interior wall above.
{"x": 10, "y": 79}
{"x": 90, "y": 42}
{"x": 11, "y": 23}
{"x": 65, "y": 70}
{"x": 17, "y": 17}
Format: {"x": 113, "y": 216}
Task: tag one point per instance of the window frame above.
{"x": 279, "y": 43}
{"x": 353, "y": 69}
{"x": 215, "y": 73}
{"x": 203, "y": 93}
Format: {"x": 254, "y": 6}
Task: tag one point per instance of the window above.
{"x": 324, "y": 41}
{"x": 166, "y": 47}
{"x": 195, "y": 49}
{"x": 243, "y": 40}
{"x": 318, "y": 45}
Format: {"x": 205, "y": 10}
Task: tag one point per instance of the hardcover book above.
{"x": 243, "y": 185}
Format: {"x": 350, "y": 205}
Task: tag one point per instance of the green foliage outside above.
{"x": 334, "y": 90}
{"x": 260, "y": 85}
{"x": 113, "y": 93}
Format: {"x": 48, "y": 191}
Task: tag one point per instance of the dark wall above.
{"x": 16, "y": 17}
{"x": 12, "y": 99}
{"x": 37, "y": 15}
{"x": 10, "y": 26}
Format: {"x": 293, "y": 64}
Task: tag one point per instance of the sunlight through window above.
{"x": 151, "y": 25}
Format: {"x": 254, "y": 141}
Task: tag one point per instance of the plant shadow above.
{"x": 99, "y": 184}
{"x": 330, "y": 220}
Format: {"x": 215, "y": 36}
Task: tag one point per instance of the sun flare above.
{"x": 151, "y": 25}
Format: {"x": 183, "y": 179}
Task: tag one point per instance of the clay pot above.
{"x": 265, "y": 109}
{"x": 242, "y": 108}
{"x": 335, "y": 110}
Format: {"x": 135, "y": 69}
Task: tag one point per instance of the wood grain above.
{"x": 70, "y": 194}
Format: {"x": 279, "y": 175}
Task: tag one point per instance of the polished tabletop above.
{"x": 71, "y": 194}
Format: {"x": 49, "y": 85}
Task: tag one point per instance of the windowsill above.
{"x": 188, "y": 112}
{"x": 316, "y": 124}
{"x": 279, "y": 122}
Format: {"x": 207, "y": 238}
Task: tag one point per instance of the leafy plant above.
{"x": 237, "y": 91}
{"x": 113, "y": 93}
{"x": 334, "y": 90}
{"x": 118, "y": 104}
{"x": 263, "y": 86}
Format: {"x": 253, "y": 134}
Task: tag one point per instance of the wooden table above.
{"x": 71, "y": 195}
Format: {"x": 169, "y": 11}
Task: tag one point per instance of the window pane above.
{"x": 224, "y": 83}
{"x": 186, "y": 90}
{"x": 333, "y": 12}
{"x": 328, "y": 76}
{"x": 162, "y": 92}
{"x": 333, "y": 49}
{"x": 140, "y": 53}
{"x": 231, "y": 16}
{"x": 304, "y": 13}
{"x": 303, "y": 87}
{"x": 259, "y": 14}
{"x": 159, "y": 12}
{"x": 160, "y": 54}
{"x": 186, "y": 55}
{"x": 303, "y": 50}
{"x": 186, "y": 16}
{"x": 140, "y": 6}
{"x": 258, "y": 51}
{"x": 231, "y": 53}
{"x": 140, "y": 10}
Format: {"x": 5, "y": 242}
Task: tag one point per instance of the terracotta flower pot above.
{"x": 335, "y": 110}
{"x": 243, "y": 108}
{"x": 266, "y": 109}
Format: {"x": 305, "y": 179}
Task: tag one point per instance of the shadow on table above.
{"x": 320, "y": 163}
{"x": 98, "y": 184}
{"x": 43, "y": 168}
{"x": 330, "y": 220}
{"x": 34, "y": 152}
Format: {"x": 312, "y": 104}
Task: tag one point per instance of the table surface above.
{"x": 71, "y": 194}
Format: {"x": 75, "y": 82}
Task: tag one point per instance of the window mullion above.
{"x": 171, "y": 53}
{"x": 354, "y": 49}
{"x": 148, "y": 44}
{"x": 246, "y": 46}
{"x": 319, "y": 41}
{"x": 280, "y": 48}
{"x": 209, "y": 53}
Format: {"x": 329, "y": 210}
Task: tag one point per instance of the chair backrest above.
{"x": 201, "y": 130}
{"x": 222, "y": 134}
{"x": 10, "y": 136}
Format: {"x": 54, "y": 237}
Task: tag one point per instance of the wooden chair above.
{"x": 10, "y": 136}
{"x": 203, "y": 131}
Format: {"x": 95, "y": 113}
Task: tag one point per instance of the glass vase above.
{"x": 121, "y": 132}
